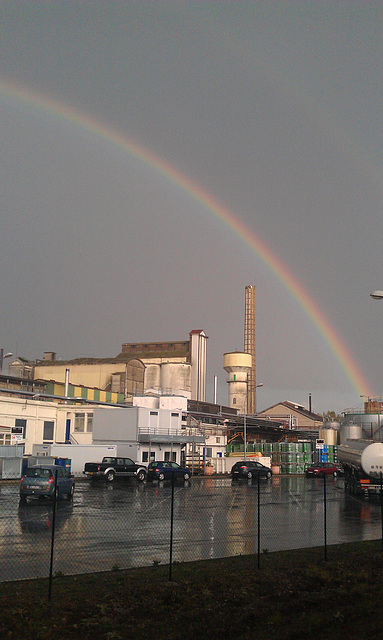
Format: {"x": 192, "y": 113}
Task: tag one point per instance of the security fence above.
{"x": 129, "y": 524}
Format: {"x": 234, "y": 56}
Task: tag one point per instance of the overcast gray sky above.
{"x": 272, "y": 108}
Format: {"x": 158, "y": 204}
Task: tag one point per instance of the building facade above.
{"x": 293, "y": 416}
{"x": 163, "y": 367}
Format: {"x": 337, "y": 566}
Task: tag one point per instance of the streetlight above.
{"x": 376, "y": 295}
{"x": 244, "y": 419}
{"x": 2, "y": 357}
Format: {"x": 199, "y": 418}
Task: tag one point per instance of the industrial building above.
{"x": 293, "y": 416}
{"x": 161, "y": 367}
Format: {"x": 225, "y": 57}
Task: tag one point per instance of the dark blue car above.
{"x": 159, "y": 470}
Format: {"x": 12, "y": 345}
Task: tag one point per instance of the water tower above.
{"x": 238, "y": 365}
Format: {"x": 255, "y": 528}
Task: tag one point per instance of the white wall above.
{"x": 78, "y": 454}
{"x": 35, "y": 412}
{"x": 114, "y": 424}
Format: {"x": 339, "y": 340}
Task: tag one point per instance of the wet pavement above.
{"x": 128, "y": 524}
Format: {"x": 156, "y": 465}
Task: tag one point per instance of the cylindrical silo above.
{"x": 350, "y": 432}
{"x": 237, "y": 365}
{"x": 330, "y": 436}
{"x": 176, "y": 378}
{"x": 152, "y": 377}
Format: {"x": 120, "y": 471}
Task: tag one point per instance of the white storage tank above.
{"x": 350, "y": 432}
{"x": 152, "y": 377}
{"x": 330, "y": 436}
{"x": 176, "y": 377}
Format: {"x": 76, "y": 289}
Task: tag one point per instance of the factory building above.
{"x": 173, "y": 367}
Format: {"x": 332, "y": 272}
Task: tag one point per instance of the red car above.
{"x": 323, "y": 469}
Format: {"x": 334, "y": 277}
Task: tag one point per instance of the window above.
{"x": 153, "y": 419}
{"x": 218, "y": 439}
{"x": 174, "y": 420}
{"x": 48, "y": 430}
{"x": 209, "y": 452}
{"x": 234, "y": 400}
{"x": 145, "y": 456}
{"x": 22, "y": 423}
{"x": 5, "y": 438}
{"x": 89, "y": 423}
{"x": 79, "y": 422}
{"x": 38, "y": 473}
{"x": 170, "y": 456}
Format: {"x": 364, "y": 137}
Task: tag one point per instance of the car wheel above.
{"x": 186, "y": 476}
{"x": 110, "y": 476}
{"x": 141, "y": 475}
{"x": 268, "y": 475}
{"x": 249, "y": 475}
{"x": 23, "y": 499}
{"x": 161, "y": 476}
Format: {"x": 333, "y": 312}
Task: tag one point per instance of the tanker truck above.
{"x": 362, "y": 461}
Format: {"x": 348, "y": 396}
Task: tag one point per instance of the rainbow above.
{"x": 10, "y": 90}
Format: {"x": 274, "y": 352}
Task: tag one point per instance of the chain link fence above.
{"x": 131, "y": 524}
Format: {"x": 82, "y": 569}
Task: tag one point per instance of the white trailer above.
{"x": 78, "y": 454}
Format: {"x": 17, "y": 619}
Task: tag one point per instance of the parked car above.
{"x": 250, "y": 469}
{"x": 38, "y": 481}
{"x": 323, "y": 469}
{"x": 111, "y": 468}
{"x": 160, "y": 470}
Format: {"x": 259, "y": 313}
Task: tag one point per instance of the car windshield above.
{"x": 38, "y": 473}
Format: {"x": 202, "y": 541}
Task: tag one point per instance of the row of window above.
{"x": 169, "y": 456}
{"x": 82, "y": 422}
{"x": 20, "y": 429}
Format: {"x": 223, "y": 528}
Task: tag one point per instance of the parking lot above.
{"x": 128, "y": 524}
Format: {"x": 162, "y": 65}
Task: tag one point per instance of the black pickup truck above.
{"x": 111, "y": 468}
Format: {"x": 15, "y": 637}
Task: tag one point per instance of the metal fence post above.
{"x": 53, "y": 536}
{"x": 381, "y": 505}
{"x": 259, "y": 523}
{"x": 325, "y": 516}
{"x": 171, "y": 531}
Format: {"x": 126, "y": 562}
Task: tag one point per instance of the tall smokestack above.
{"x": 250, "y": 347}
